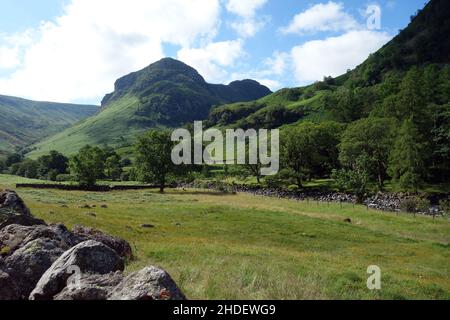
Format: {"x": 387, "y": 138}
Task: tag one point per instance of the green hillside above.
{"x": 425, "y": 44}
{"x": 23, "y": 122}
{"x": 167, "y": 93}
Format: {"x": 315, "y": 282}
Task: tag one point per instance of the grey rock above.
{"x": 10, "y": 202}
{"x": 8, "y": 289}
{"x": 14, "y": 211}
{"x": 150, "y": 283}
{"x": 89, "y": 256}
{"x": 91, "y": 287}
{"x": 121, "y": 246}
{"x": 14, "y": 237}
{"x": 28, "y": 263}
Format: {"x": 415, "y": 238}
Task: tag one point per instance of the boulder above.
{"x": 89, "y": 257}
{"x": 8, "y": 289}
{"x": 150, "y": 283}
{"x": 121, "y": 246}
{"x": 28, "y": 263}
{"x": 91, "y": 287}
{"x": 11, "y": 203}
{"x": 14, "y": 237}
{"x": 14, "y": 211}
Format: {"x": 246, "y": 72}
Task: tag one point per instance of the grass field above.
{"x": 245, "y": 247}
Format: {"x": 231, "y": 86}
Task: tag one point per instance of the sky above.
{"x": 74, "y": 50}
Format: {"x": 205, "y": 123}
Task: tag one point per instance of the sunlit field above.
{"x": 224, "y": 246}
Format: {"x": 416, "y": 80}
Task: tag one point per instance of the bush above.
{"x": 415, "y": 204}
{"x": 52, "y": 175}
{"x": 445, "y": 206}
{"x": 125, "y": 176}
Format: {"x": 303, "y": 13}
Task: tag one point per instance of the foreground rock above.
{"x": 14, "y": 211}
{"x": 40, "y": 261}
{"x": 148, "y": 284}
{"x": 91, "y": 287}
{"x": 26, "y": 265}
{"x": 122, "y": 247}
{"x": 8, "y": 288}
{"x": 86, "y": 257}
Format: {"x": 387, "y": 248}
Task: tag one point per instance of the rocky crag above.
{"x": 49, "y": 262}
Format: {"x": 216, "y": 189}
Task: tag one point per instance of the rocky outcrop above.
{"x": 11, "y": 203}
{"x": 91, "y": 287}
{"x": 122, "y": 247}
{"x": 148, "y": 284}
{"x": 44, "y": 262}
{"x": 14, "y": 211}
{"x": 86, "y": 257}
{"x": 26, "y": 265}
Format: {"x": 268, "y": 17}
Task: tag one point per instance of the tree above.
{"x": 406, "y": 163}
{"x": 27, "y": 168}
{"x": 441, "y": 142}
{"x": 372, "y": 137}
{"x": 113, "y": 167}
{"x": 153, "y": 158}
{"x": 2, "y": 165}
{"x": 54, "y": 163}
{"x": 88, "y": 165}
{"x": 13, "y": 158}
{"x": 355, "y": 178}
{"x": 297, "y": 152}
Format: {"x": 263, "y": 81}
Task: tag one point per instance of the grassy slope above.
{"x": 297, "y": 106}
{"x": 264, "y": 248}
{"x": 114, "y": 121}
{"x": 23, "y": 121}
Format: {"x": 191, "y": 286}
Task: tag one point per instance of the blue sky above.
{"x": 74, "y": 50}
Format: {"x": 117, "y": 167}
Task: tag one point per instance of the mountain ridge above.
{"x": 167, "y": 93}
{"x": 24, "y": 121}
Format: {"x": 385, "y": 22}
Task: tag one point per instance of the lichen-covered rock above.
{"x": 14, "y": 237}
{"x": 150, "y": 283}
{"x": 91, "y": 287}
{"x": 89, "y": 257}
{"x": 28, "y": 263}
{"x": 121, "y": 246}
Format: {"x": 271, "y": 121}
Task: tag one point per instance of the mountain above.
{"x": 167, "y": 93}
{"x": 23, "y": 122}
{"x": 424, "y": 44}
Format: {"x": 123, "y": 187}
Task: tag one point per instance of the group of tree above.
{"x": 86, "y": 167}
{"x": 47, "y": 167}
{"x": 93, "y": 163}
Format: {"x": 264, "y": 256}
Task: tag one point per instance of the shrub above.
{"x": 445, "y": 206}
{"x": 125, "y": 176}
{"x": 52, "y": 175}
{"x": 415, "y": 204}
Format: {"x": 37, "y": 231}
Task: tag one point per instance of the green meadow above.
{"x": 225, "y": 246}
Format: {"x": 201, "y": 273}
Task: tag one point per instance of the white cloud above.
{"x": 212, "y": 59}
{"x": 248, "y": 23}
{"x": 245, "y": 8}
{"x": 335, "y": 55}
{"x": 248, "y": 28}
{"x": 82, "y": 53}
{"x": 9, "y": 57}
{"x": 277, "y": 64}
{"x": 321, "y": 17}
